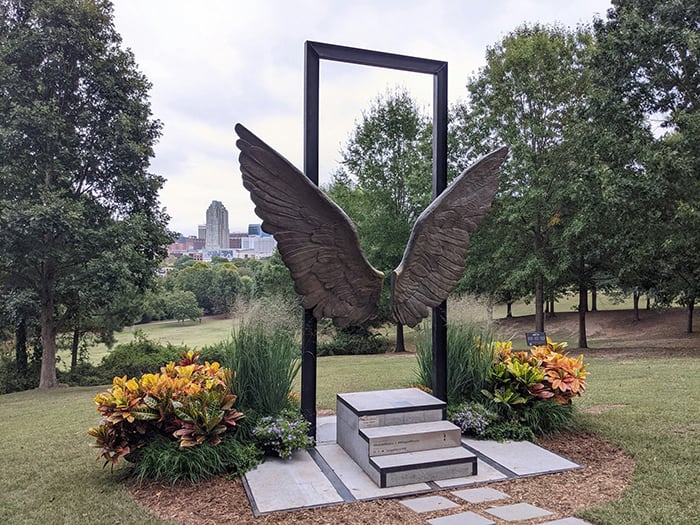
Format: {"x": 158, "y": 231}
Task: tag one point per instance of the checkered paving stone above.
{"x": 480, "y": 495}
{"x": 463, "y": 518}
{"x": 428, "y": 504}
{"x": 518, "y": 512}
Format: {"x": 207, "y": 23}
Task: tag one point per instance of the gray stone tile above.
{"x": 325, "y": 429}
{"x": 518, "y": 512}
{"x": 282, "y": 484}
{"x": 485, "y": 472}
{"x": 480, "y": 495}
{"x": 357, "y": 481}
{"x": 521, "y": 457}
{"x": 464, "y": 518}
{"x": 428, "y": 504}
{"x": 567, "y": 521}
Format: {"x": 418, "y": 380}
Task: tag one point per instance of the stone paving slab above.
{"x": 518, "y": 512}
{"x": 567, "y": 521}
{"x": 521, "y": 457}
{"x": 284, "y": 484}
{"x": 485, "y": 473}
{"x": 480, "y": 495}
{"x": 428, "y": 504}
{"x": 357, "y": 481}
{"x": 463, "y": 518}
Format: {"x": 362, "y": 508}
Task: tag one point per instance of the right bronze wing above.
{"x": 316, "y": 239}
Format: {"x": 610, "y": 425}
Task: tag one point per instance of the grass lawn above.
{"x": 659, "y": 425}
{"x": 49, "y": 473}
{"x": 194, "y": 334}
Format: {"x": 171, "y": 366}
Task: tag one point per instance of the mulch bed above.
{"x": 606, "y": 472}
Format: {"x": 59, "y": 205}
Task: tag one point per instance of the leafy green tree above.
{"x": 384, "y": 183}
{"x": 385, "y": 162}
{"x": 184, "y": 261}
{"x": 648, "y": 65}
{"x": 197, "y": 279}
{"x": 182, "y": 305}
{"x": 76, "y": 135}
{"x": 272, "y": 278}
{"x": 225, "y": 287}
{"x": 525, "y": 97}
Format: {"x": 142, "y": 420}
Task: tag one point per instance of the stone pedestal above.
{"x": 400, "y": 437}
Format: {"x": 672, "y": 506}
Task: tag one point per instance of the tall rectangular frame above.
{"x": 314, "y": 52}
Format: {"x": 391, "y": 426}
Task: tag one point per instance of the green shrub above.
{"x": 508, "y": 430}
{"x": 470, "y": 355}
{"x": 265, "y": 361}
{"x": 84, "y": 374}
{"x": 354, "y": 341}
{"x": 188, "y": 403}
{"x": 10, "y": 378}
{"x": 547, "y": 417}
{"x": 140, "y": 356}
{"x": 282, "y": 434}
{"x": 163, "y": 460}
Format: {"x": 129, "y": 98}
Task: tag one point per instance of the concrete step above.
{"x": 388, "y": 407}
{"x": 426, "y": 465}
{"x": 412, "y": 437}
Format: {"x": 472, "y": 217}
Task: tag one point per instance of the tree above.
{"x": 197, "y": 279}
{"x": 76, "y": 136}
{"x": 648, "y": 62}
{"x": 182, "y": 305}
{"x": 525, "y": 97}
{"x": 384, "y": 183}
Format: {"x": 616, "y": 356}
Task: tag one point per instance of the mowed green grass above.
{"x": 49, "y": 473}
{"x": 659, "y": 426}
{"x": 193, "y": 334}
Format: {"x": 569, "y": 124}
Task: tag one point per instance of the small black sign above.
{"x": 535, "y": 338}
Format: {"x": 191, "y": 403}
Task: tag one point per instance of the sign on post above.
{"x": 535, "y": 338}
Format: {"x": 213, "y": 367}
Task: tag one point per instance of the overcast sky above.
{"x": 215, "y": 63}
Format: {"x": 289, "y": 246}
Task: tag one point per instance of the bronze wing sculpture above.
{"x": 319, "y": 244}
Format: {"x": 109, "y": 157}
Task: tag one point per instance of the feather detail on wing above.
{"x": 316, "y": 239}
{"x": 434, "y": 259}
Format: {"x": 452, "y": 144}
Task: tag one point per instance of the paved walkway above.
{"x": 326, "y": 475}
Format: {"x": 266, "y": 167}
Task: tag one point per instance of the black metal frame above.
{"x": 314, "y": 52}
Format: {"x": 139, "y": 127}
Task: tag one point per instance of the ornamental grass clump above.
{"x": 189, "y": 403}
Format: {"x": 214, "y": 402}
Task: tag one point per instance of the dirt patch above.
{"x": 615, "y": 333}
{"x": 606, "y": 472}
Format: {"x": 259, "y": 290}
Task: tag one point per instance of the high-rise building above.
{"x": 202, "y": 231}
{"x": 217, "y": 227}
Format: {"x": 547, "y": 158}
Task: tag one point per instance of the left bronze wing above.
{"x": 316, "y": 239}
{"x": 434, "y": 259}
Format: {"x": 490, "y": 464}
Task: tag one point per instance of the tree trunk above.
{"x": 648, "y": 302}
{"x": 691, "y": 307}
{"x": 594, "y": 299}
{"x": 635, "y": 303}
{"x": 21, "y": 348}
{"x": 400, "y": 347}
{"x": 582, "y": 307}
{"x": 509, "y": 310}
{"x": 47, "y": 378}
{"x": 550, "y": 307}
{"x": 74, "y": 350}
{"x": 539, "y": 303}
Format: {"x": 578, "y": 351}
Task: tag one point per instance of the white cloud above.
{"x": 219, "y": 62}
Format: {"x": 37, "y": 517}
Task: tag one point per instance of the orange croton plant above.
{"x": 189, "y": 402}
